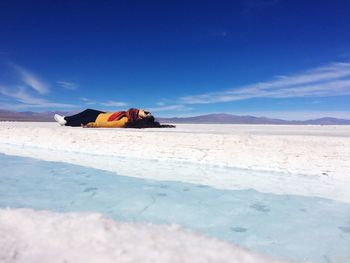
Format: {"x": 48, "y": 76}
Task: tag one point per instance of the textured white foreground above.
{"x": 29, "y": 236}
{"x": 303, "y": 160}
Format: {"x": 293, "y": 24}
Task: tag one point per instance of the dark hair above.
{"x": 146, "y": 123}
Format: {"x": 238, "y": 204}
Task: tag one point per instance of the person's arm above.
{"x": 89, "y": 125}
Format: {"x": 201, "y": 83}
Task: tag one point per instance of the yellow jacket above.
{"x": 102, "y": 121}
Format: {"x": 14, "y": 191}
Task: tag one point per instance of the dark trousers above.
{"x": 83, "y": 117}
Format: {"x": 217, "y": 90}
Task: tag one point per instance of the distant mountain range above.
{"x": 220, "y": 118}
{"x": 47, "y": 116}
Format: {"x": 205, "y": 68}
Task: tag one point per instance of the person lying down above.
{"x": 132, "y": 118}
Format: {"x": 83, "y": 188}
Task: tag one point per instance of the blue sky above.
{"x": 274, "y": 58}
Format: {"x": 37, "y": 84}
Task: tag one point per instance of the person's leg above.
{"x": 83, "y": 117}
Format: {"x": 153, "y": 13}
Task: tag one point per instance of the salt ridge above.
{"x": 30, "y": 236}
{"x": 279, "y": 159}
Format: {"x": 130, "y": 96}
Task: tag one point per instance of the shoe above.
{"x": 60, "y": 119}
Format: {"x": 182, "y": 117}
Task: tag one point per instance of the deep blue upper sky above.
{"x": 279, "y": 58}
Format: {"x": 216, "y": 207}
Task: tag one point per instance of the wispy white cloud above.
{"x": 330, "y": 80}
{"x": 25, "y": 100}
{"x": 176, "y": 107}
{"x": 68, "y": 85}
{"x": 31, "y": 80}
{"x": 42, "y": 106}
{"x": 296, "y": 114}
{"x": 84, "y": 99}
{"x": 109, "y": 103}
{"x": 20, "y": 95}
{"x": 29, "y": 92}
{"x": 114, "y": 103}
{"x": 88, "y": 101}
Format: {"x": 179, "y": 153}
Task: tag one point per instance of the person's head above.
{"x": 135, "y": 114}
{"x": 142, "y": 114}
{"x": 143, "y": 122}
{"x": 144, "y": 119}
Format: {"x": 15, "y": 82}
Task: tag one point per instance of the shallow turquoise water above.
{"x": 286, "y": 226}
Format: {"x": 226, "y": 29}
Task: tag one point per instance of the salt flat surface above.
{"x": 304, "y": 160}
{"x": 287, "y": 227}
{"x": 29, "y": 236}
